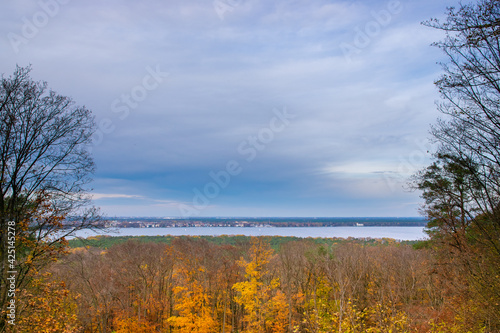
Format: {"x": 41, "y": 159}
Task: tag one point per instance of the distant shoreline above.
{"x": 246, "y": 222}
{"x": 144, "y": 222}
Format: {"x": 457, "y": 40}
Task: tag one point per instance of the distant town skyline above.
{"x": 242, "y": 107}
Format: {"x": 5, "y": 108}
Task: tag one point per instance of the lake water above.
{"x": 399, "y": 233}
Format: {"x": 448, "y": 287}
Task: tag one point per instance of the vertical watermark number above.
{"x": 11, "y": 279}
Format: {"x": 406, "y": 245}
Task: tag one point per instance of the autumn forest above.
{"x": 193, "y": 285}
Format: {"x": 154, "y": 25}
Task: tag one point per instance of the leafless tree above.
{"x": 44, "y": 170}
{"x": 470, "y": 87}
{"x": 462, "y": 187}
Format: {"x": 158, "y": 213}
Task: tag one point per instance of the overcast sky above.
{"x": 241, "y": 107}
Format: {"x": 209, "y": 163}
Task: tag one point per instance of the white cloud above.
{"x": 99, "y": 196}
{"x": 365, "y": 168}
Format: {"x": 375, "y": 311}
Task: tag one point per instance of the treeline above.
{"x": 193, "y": 285}
{"x": 106, "y": 241}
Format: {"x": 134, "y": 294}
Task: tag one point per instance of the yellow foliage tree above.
{"x": 193, "y": 311}
{"x": 47, "y": 307}
{"x": 126, "y": 324}
{"x": 256, "y": 291}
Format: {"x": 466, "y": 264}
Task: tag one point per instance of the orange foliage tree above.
{"x": 48, "y": 307}
{"x": 194, "y": 309}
